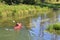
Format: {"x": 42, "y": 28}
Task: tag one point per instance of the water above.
{"x": 37, "y": 32}
{"x": 38, "y": 25}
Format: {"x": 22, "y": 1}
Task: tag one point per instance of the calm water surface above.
{"x": 39, "y": 25}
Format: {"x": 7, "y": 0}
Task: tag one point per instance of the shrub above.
{"x": 29, "y": 1}
{"x": 56, "y": 26}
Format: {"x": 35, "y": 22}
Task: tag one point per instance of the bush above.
{"x": 29, "y": 1}
{"x": 56, "y": 26}
{"x": 10, "y": 2}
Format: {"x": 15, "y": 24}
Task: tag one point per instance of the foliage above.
{"x": 42, "y": 1}
{"x": 29, "y": 1}
{"x": 54, "y": 28}
{"x": 17, "y": 12}
{"x": 10, "y": 2}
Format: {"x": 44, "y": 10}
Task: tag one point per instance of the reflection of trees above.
{"x": 41, "y": 30}
{"x": 54, "y": 21}
{"x": 53, "y": 18}
{"x": 42, "y": 27}
{"x": 42, "y": 24}
{"x": 54, "y": 36}
{"x": 27, "y": 23}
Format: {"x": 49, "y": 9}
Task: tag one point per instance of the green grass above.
{"x": 54, "y": 28}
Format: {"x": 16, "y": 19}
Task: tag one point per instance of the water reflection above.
{"x": 37, "y": 31}
{"x": 34, "y": 27}
{"x": 34, "y": 32}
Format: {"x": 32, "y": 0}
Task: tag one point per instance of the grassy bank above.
{"x": 21, "y": 10}
{"x": 16, "y": 12}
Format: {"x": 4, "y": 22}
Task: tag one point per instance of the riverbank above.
{"x": 22, "y": 9}
{"x": 17, "y": 12}
{"x": 50, "y": 5}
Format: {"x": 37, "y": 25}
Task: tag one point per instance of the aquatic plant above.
{"x": 54, "y": 28}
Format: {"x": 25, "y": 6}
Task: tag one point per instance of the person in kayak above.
{"x": 18, "y": 26}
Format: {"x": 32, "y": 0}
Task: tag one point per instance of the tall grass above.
{"x": 17, "y": 12}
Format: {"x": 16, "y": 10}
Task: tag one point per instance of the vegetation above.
{"x": 10, "y": 11}
{"x": 54, "y": 28}
{"x": 31, "y": 2}
{"x": 15, "y": 12}
{"x": 10, "y": 2}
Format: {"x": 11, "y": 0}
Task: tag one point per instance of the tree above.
{"x": 29, "y": 1}
{"x": 16, "y": 1}
{"x": 42, "y": 1}
{"x": 10, "y": 2}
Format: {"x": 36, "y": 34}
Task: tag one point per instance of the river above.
{"x": 38, "y": 27}
{"x": 34, "y": 28}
